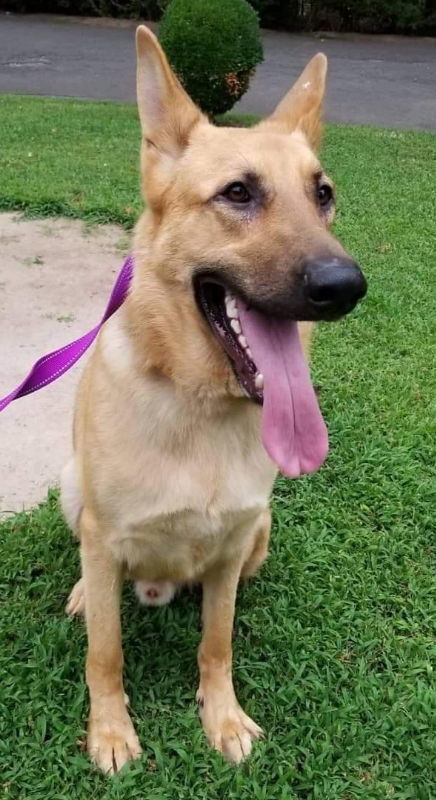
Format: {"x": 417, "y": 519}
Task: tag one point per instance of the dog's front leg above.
{"x": 227, "y": 727}
{"x": 112, "y": 740}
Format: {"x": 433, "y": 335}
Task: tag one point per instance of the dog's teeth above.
{"x": 242, "y": 340}
{"x": 258, "y": 381}
{"x": 231, "y": 309}
{"x": 236, "y": 326}
{"x": 249, "y": 353}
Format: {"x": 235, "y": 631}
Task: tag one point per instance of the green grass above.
{"x": 72, "y": 158}
{"x": 334, "y": 645}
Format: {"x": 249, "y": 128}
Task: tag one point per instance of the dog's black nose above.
{"x": 333, "y": 286}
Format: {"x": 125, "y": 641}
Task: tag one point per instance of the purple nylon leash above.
{"x": 53, "y": 365}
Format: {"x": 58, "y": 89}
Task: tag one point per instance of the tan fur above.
{"x": 170, "y": 481}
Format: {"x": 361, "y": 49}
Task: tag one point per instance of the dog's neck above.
{"x": 178, "y": 415}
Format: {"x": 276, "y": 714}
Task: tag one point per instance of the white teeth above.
{"x": 233, "y": 316}
{"x": 231, "y": 309}
{"x": 258, "y": 382}
{"x": 232, "y": 313}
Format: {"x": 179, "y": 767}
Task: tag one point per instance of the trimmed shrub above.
{"x": 213, "y": 46}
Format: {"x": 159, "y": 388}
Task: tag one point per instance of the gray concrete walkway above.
{"x": 55, "y": 279}
{"x": 378, "y": 80}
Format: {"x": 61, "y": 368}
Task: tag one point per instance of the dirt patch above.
{"x": 55, "y": 279}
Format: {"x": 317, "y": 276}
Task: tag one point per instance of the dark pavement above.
{"x": 387, "y": 81}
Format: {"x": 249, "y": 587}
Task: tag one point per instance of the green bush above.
{"x": 213, "y": 46}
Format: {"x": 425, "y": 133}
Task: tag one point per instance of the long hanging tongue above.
{"x": 293, "y": 431}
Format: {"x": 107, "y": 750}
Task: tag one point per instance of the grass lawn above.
{"x": 334, "y": 646}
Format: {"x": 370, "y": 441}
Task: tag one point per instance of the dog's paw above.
{"x": 227, "y": 727}
{"x": 76, "y": 601}
{"x": 155, "y": 593}
{"x": 111, "y": 744}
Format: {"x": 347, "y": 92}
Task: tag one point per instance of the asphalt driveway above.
{"x": 376, "y": 80}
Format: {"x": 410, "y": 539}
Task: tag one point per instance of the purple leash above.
{"x": 52, "y": 366}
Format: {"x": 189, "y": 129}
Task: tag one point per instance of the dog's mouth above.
{"x": 266, "y": 356}
{"x": 220, "y": 307}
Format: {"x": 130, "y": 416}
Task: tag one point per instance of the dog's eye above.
{"x": 237, "y": 193}
{"x": 324, "y": 194}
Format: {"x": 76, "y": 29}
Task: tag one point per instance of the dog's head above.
{"x": 235, "y": 246}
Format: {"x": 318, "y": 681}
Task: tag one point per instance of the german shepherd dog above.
{"x": 198, "y": 388}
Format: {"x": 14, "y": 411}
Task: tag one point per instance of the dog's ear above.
{"x": 166, "y": 112}
{"x": 301, "y": 107}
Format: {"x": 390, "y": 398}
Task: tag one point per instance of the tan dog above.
{"x": 198, "y": 388}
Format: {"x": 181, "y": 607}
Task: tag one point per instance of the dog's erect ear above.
{"x": 301, "y": 107}
{"x": 166, "y": 112}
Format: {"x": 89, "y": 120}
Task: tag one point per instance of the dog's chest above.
{"x": 190, "y": 509}
{"x": 180, "y": 486}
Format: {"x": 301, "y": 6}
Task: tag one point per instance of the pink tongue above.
{"x": 293, "y": 431}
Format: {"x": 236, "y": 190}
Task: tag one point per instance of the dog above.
{"x": 198, "y": 389}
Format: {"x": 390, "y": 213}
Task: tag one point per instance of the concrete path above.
{"x": 55, "y": 279}
{"x": 378, "y": 80}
